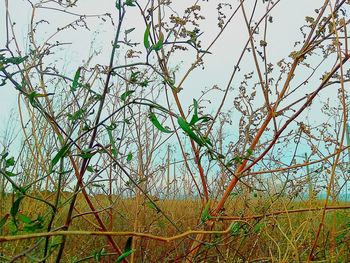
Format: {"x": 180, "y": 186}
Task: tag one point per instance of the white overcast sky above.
{"x": 287, "y": 17}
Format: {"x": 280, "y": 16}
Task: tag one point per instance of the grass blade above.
{"x": 156, "y": 123}
{"x": 187, "y": 129}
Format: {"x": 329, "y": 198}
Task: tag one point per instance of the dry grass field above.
{"x": 253, "y": 230}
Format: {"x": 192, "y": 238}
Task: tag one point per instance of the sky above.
{"x": 288, "y": 17}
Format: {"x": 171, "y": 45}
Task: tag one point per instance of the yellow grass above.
{"x": 284, "y": 237}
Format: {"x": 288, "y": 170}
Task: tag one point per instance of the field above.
{"x": 257, "y": 230}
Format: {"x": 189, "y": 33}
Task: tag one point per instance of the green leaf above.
{"x": 127, "y": 121}
{"x": 129, "y": 157}
{"x": 97, "y": 255}
{"x": 249, "y": 152}
{"x": 204, "y": 51}
{"x": 76, "y": 115}
{"x": 206, "y": 215}
{"x": 76, "y": 80}
{"x": 144, "y": 83}
{"x": 111, "y": 139}
{"x": 128, "y": 31}
{"x": 33, "y": 227}
{"x": 156, "y": 123}
{"x": 130, "y": 3}
{"x": 127, "y": 250}
{"x": 146, "y": 42}
{"x": 15, "y": 206}
{"x": 187, "y": 129}
{"x": 25, "y": 219}
{"x": 3, "y": 220}
{"x": 34, "y": 94}
{"x": 124, "y": 255}
{"x": 195, "y": 113}
{"x": 159, "y": 43}
{"x": 126, "y": 94}
{"x": 90, "y": 169}
{"x": 117, "y": 5}
{"x": 204, "y": 119}
{"x": 10, "y": 162}
{"x": 15, "y": 60}
{"x": 128, "y": 244}
{"x": 87, "y": 153}
{"x": 133, "y": 77}
{"x": 61, "y": 153}
{"x": 4, "y": 155}
{"x": 10, "y": 174}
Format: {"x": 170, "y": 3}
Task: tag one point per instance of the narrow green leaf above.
{"x": 133, "y": 77}
{"x": 15, "y": 207}
{"x": 129, "y": 3}
{"x": 10, "y": 162}
{"x": 128, "y": 244}
{"x": 195, "y": 113}
{"x": 76, "y": 80}
{"x": 204, "y": 119}
{"x": 4, "y": 155}
{"x": 146, "y": 42}
{"x": 87, "y": 153}
{"x": 10, "y": 174}
{"x": 204, "y": 51}
{"x": 76, "y": 115}
{"x": 117, "y": 5}
{"x": 126, "y": 94}
{"x": 98, "y": 255}
{"x": 207, "y": 141}
{"x": 90, "y": 169}
{"x": 25, "y": 219}
{"x": 128, "y": 31}
{"x": 129, "y": 157}
{"x": 111, "y": 139}
{"x": 124, "y": 255}
{"x": 249, "y": 152}
{"x": 33, "y": 227}
{"x": 144, "y": 83}
{"x": 34, "y": 94}
{"x": 61, "y": 153}
{"x": 156, "y": 123}
{"x": 15, "y": 60}
{"x": 187, "y": 129}
{"x": 159, "y": 43}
